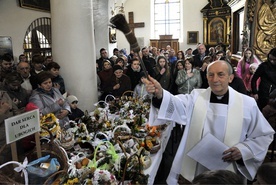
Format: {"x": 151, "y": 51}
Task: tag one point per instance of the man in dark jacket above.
{"x": 199, "y": 57}
{"x": 148, "y": 61}
{"x": 267, "y": 72}
{"x": 104, "y": 56}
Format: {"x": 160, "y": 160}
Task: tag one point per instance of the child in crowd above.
{"x": 58, "y": 81}
{"x": 252, "y": 68}
{"x": 76, "y": 113}
{"x": 140, "y": 89}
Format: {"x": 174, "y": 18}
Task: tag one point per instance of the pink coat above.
{"x": 246, "y": 76}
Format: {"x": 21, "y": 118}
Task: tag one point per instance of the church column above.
{"x": 101, "y": 14}
{"x": 205, "y": 30}
{"x": 228, "y": 26}
{"x": 73, "y": 47}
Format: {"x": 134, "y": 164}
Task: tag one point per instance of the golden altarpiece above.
{"x": 259, "y": 26}
{"x": 216, "y": 23}
{"x": 261, "y": 17}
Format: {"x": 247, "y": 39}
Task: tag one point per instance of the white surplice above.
{"x": 254, "y": 136}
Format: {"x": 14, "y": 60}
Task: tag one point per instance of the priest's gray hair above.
{"x": 230, "y": 68}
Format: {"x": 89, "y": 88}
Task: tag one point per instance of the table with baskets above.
{"x": 114, "y": 144}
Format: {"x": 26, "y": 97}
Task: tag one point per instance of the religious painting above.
{"x": 192, "y": 37}
{"x": 5, "y": 45}
{"x": 217, "y": 31}
{"x": 43, "y": 5}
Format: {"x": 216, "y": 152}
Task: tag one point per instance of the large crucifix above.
{"x": 131, "y": 23}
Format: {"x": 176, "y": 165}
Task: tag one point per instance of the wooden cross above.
{"x": 131, "y": 23}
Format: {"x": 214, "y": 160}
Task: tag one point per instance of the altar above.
{"x": 164, "y": 41}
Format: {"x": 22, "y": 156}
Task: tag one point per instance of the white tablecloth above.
{"x": 157, "y": 157}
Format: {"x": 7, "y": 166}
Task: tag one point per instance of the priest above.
{"x": 232, "y": 118}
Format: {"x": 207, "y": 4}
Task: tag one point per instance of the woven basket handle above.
{"x": 106, "y": 98}
{"x": 126, "y": 92}
{"x": 97, "y": 148}
{"x": 101, "y": 101}
{"x": 102, "y": 134}
{"x": 126, "y": 166}
{"x": 122, "y": 147}
{"x": 21, "y": 167}
{"x": 121, "y": 126}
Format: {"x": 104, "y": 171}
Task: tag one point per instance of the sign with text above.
{"x": 20, "y": 126}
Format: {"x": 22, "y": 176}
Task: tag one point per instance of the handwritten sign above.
{"x": 20, "y": 126}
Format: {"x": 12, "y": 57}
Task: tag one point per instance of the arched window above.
{"x": 167, "y": 18}
{"x": 38, "y": 38}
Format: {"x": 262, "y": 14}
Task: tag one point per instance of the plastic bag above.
{"x": 43, "y": 167}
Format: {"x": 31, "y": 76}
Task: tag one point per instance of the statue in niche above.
{"x": 219, "y": 32}
{"x": 266, "y": 36}
{"x": 245, "y": 36}
{"x": 215, "y": 3}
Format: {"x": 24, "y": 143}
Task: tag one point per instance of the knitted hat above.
{"x": 72, "y": 98}
{"x": 117, "y": 67}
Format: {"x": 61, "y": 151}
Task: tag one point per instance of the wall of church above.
{"x": 15, "y": 21}
{"x": 192, "y": 21}
{"x": 141, "y": 13}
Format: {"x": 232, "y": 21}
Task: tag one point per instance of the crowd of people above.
{"x": 178, "y": 79}
{"x": 35, "y": 84}
{"x": 179, "y": 73}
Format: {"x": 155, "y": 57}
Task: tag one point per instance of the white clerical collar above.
{"x": 220, "y": 99}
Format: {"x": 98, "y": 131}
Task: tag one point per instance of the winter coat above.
{"x": 47, "y": 103}
{"x": 187, "y": 84}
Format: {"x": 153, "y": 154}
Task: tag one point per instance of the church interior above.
{"x": 241, "y": 28}
{"x": 73, "y": 32}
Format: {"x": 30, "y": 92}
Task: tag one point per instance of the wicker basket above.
{"x": 53, "y": 149}
{"x": 155, "y": 148}
{"x": 9, "y": 176}
{"x": 137, "y": 175}
{"x": 65, "y": 139}
{"x": 121, "y": 130}
{"x": 144, "y": 159}
{"x": 128, "y": 93}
